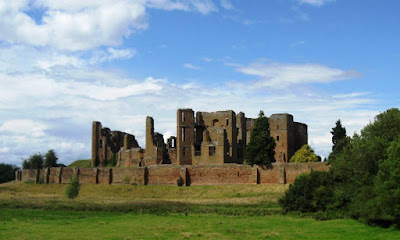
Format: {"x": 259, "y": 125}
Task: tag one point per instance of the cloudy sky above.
{"x": 64, "y": 64}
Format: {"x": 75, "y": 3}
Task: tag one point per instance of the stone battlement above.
{"x": 278, "y": 173}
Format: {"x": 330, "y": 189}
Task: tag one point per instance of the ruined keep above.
{"x": 202, "y": 138}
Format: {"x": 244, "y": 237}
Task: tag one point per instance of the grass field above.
{"x": 84, "y": 163}
{"x": 37, "y": 211}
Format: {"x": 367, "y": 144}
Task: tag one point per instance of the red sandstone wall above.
{"x": 87, "y": 175}
{"x": 135, "y": 175}
{"x": 103, "y": 176}
{"x": 28, "y": 175}
{"x": 54, "y": 175}
{"x": 164, "y": 174}
{"x": 294, "y": 170}
{"x": 222, "y": 174}
{"x": 271, "y": 174}
{"x": 67, "y": 174}
{"x": 192, "y": 174}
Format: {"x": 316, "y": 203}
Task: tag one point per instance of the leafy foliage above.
{"x": 338, "y": 133}
{"x": 35, "y": 161}
{"x": 50, "y": 159}
{"x": 180, "y": 182}
{"x": 73, "y": 188}
{"x": 309, "y": 193}
{"x": 260, "y": 149}
{"x": 366, "y": 173}
{"x": 7, "y": 172}
{"x": 305, "y": 154}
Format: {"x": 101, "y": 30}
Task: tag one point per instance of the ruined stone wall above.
{"x": 88, "y": 175}
{"x": 136, "y": 175}
{"x": 277, "y": 173}
{"x": 185, "y": 136}
{"x": 163, "y": 174}
{"x": 300, "y": 135}
{"x": 281, "y": 128}
{"x": 225, "y": 120}
{"x": 55, "y": 175}
{"x": 221, "y": 174}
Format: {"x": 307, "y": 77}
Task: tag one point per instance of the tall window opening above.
{"x": 211, "y": 150}
{"x": 227, "y": 121}
{"x": 277, "y": 138}
{"x": 183, "y": 116}
{"x": 183, "y": 135}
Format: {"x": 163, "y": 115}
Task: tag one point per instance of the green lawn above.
{"x": 41, "y": 211}
{"x": 84, "y": 163}
{"x": 42, "y": 224}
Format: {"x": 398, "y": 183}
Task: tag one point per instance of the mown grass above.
{"x": 41, "y": 224}
{"x": 83, "y": 163}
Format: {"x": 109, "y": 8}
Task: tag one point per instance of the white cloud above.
{"x": 279, "y": 75}
{"x": 112, "y": 54}
{"x": 81, "y": 25}
{"x": 207, "y": 59}
{"x": 226, "y": 4}
{"x": 315, "y": 2}
{"x": 191, "y": 66}
{"x": 40, "y": 110}
{"x": 24, "y": 126}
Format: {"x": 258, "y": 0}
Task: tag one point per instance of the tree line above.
{"x": 363, "y": 181}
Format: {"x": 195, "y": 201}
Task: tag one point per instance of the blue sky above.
{"x": 64, "y": 64}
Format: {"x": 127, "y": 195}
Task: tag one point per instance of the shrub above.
{"x": 127, "y": 179}
{"x": 309, "y": 193}
{"x": 73, "y": 188}
{"x": 41, "y": 180}
{"x": 180, "y": 182}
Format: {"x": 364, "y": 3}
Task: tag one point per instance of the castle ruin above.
{"x": 203, "y": 138}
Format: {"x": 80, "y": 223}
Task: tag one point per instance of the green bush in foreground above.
{"x": 73, "y": 188}
{"x": 309, "y": 193}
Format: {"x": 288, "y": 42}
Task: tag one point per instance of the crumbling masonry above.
{"x": 202, "y": 138}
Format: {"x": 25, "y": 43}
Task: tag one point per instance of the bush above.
{"x": 127, "y": 179}
{"x": 180, "y": 182}
{"x": 309, "y": 193}
{"x": 73, "y": 188}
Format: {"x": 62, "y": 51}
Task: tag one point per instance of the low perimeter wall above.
{"x": 169, "y": 174}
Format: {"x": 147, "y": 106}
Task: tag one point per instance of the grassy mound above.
{"x": 84, "y": 163}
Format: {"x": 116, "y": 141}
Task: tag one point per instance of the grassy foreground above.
{"x": 40, "y": 224}
{"x": 38, "y": 211}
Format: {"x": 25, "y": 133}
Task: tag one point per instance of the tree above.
{"x": 261, "y": 148}
{"x": 305, "y": 154}
{"x": 339, "y": 140}
{"x": 386, "y": 204}
{"x": 7, "y": 172}
{"x": 50, "y": 159}
{"x": 338, "y": 133}
{"x": 35, "y": 161}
